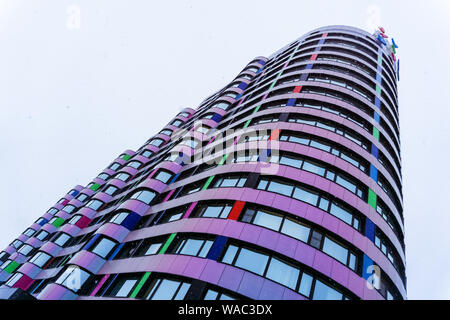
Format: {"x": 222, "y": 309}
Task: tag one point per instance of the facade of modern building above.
{"x": 300, "y": 199}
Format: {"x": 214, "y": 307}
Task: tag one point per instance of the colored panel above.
{"x": 89, "y": 244}
{"x": 376, "y": 116}
{"x": 373, "y": 173}
{"x": 100, "y": 284}
{"x": 297, "y": 89}
{"x": 236, "y": 210}
{"x": 309, "y": 66}
{"x": 174, "y": 178}
{"x": 216, "y": 117}
{"x": 378, "y": 88}
{"x": 376, "y": 133}
{"x": 167, "y": 244}
{"x": 375, "y": 151}
{"x": 126, "y": 157}
{"x": 131, "y": 220}
{"x": 242, "y": 85}
{"x": 11, "y": 267}
{"x": 207, "y": 183}
{"x": 224, "y": 158}
{"x": 313, "y": 57}
{"x": 367, "y": 262}
{"x": 275, "y": 134}
{"x": 140, "y": 284}
{"x": 216, "y": 248}
{"x": 74, "y": 193}
{"x": 44, "y": 221}
{"x": 377, "y": 102}
{"x": 116, "y": 251}
{"x": 378, "y": 77}
{"x": 58, "y": 222}
{"x": 83, "y": 222}
{"x": 370, "y": 230}
{"x": 291, "y": 102}
{"x": 95, "y": 187}
{"x": 372, "y": 199}
{"x": 189, "y": 210}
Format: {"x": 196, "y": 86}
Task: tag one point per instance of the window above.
{"x": 223, "y": 182}
{"x": 29, "y": 232}
{"x": 251, "y": 260}
{"x": 73, "y": 278}
{"x": 68, "y": 208}
{"x": 145, "y": 196}
{"x": 13, "y": 280}
{"x": 122, "y": 176}
{"x": 163, "y": 176}
{"x": 62, "y": 239}
{"x": 103, "y": 176}
{"x": 16, "y": 243}
{"x": 42, "y": 235}
{"x": 134, "y": 164}
{"x": 216, "y": 295}
{"x": 146, "y": 153}
{"x": 74, "y": 219}
{"x": 167, "y": 132}
{"x": 156, "y": 142}
{"x": 25, "y": 249}
{"x": 110, "y": 190}
{"x": 94, "y": 204}
{"x": 283, "y": 273}
{"x": 114, "y": 166}
{"x": 193, "y": 247}
{"x": 166, "y": 289}
{"x": 52, "y": 211}
{"x": 325, "y": 292}
{"x": 82, "y": 197}
{"x": 103, "y": 247}
{"x": 119, "y": 217}
{"x": 221, "y": 105}
{"x": 40, "y": 259}
{"x": 214, "y": 211}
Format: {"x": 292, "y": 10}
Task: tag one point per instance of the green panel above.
{"x": 167, "y": 244}
{"x": 224, "y": 158}
{"x": 11, "y": 267}
{"x": 256, "y": 109}
{"x": 126, "y": 157}
{"x": 376, "y": 133}
{"x": 95, "y": 187}
{"x": 208, "y": 182}
{"x": 247, "y": 123}
{"x": 58, "y": 222}
{"x": 380, "y": 60}
{"x": 378, "y": 90}
{"x": 140, "y": 284}
{"x": 372, "y": 199}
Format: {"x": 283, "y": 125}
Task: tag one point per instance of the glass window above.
{"x": 305, "y": 285}
{"x": 252, "y": 261}
{"x": 229, "y": 254}
{"x": 291, "y": 162}
{"x": 73, "y": 278}
{"x": 324, "y": 292}
{"x": 283, "y": 273}
{"x": 40, "y": 259}
{"x": 153, "y": 248}
{"x": 280, "y": 188}
{"x": 13, "y": 280}
{"x": 29, "y": 232}
{"x": 346, "y": 184}
{"x": 42, "y": 235}
{"x": 126, "y": 288}
{"x": 62, "y": 239}
{"x": 306, "y": 196}
{"x": 341, "y": 213}
{"x": 122, "y": 176}
{"x": 114, "y": 166}
{"x": 25, "y": 249}
{"x": 119, "y": 217}
{"x": 335, "y": 250}
{"x": 163, "y": 176}
{"x": 82, "y": 197}
{"x": 267, "y": 220}
{"x": 103, "y": 247}
{"x": 94, "y": 204}
{"x": 110, "y": 190}
{"x": 295, "y": 230}
{"x": 190, "y": 247}
{"x": 167, "y": 290}
{"x": 134, "y": 164}
{"x": 145, "y": 196}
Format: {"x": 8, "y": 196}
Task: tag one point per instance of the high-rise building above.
{"x": 285, "y": 184}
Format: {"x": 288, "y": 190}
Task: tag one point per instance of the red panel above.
{"x": 313, "y": 57}
{"x": 83, "y": 222}
{"x": 236, "y": 210}
{"x": 297, "y": 89}
{"x": 275, "y": 134}
{"x": 324, "y": 35}
{"x": 24, "y": 282}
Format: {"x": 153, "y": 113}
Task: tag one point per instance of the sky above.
{"x": 82, "y": 81}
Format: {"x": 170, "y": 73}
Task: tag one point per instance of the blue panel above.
{"x": 373, "y": 173}
{"x": 377, "y": 102}
{"x": 116, "y": 251}
{"x": 216, "y": 117}
{"x": 309, "y": 66}
{"x": 89, "y": 244}
{"x": 44, "y": 221}
{"x": 370, "y": 230}
{"x": 259, "y": 70}
{"x": 131, "y": 220}
{"x": 367, "y": 262}
{"x": 74, "y": 193}
{"x": 375, "y": 151}
{"x": 217, "y": 247}
{"x": 379, "y": 77}
{"x": 376, "y": 116}
{"x": 304, "y": 76}
{"x": 322, "y": 41}
{"x": 291, "y": 102}
{"x": 238, "y": 96}
{"x": 174, "y": 178}
{"x": 243, "y": 85}
{"x": 262, "y": 62}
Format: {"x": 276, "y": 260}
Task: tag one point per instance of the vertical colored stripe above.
{"x": 376, "y": 133}
{"x": 372, "y": 199}
{"x": 167, "y": 243}
{"x": 236, "y": 210}
{"x": 99, "y": 285}
{"x": 140, "y": 284}
{"x": 297, "y": 89}
{"x": 189, "y": 210}
{"x": 207, "y": 183}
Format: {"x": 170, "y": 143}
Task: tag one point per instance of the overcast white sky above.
{"x": 81, "y": 81}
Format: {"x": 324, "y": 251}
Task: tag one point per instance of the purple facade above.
{"x": 285, "y": 184}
